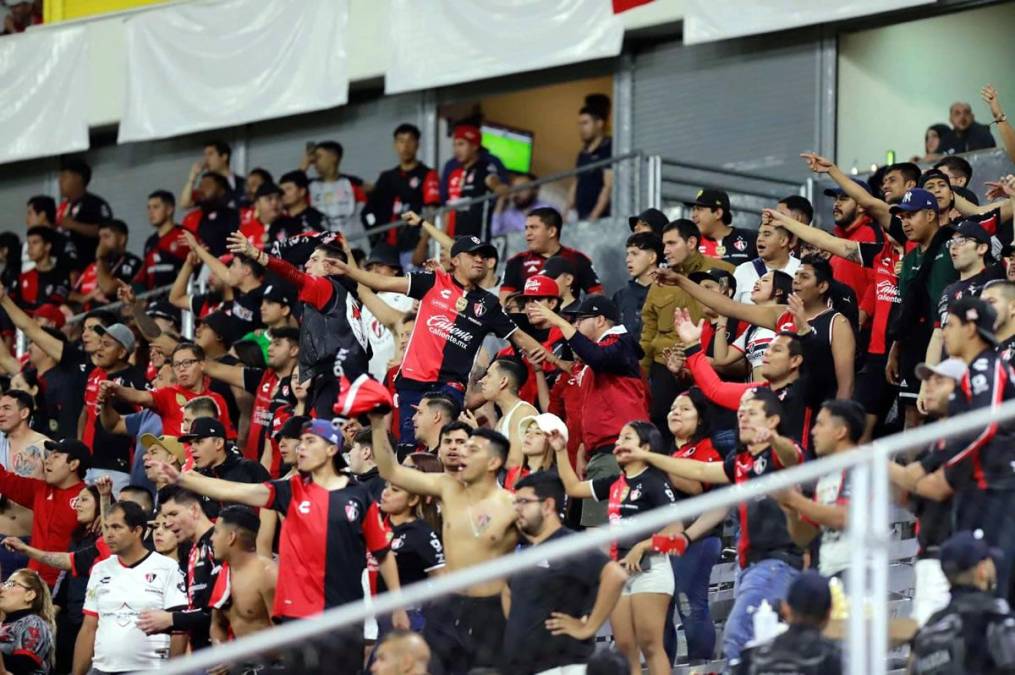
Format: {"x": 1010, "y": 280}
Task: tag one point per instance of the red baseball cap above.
{"x": 540, "y": 286}
{"x": 468, "y": 132}
{"x": 361, "y": 396}
{"x": 52, "y": 313}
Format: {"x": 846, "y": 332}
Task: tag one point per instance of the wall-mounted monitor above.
{"x": 511, "y": 146}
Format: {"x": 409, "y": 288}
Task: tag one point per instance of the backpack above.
{"x": 940, "y": 648}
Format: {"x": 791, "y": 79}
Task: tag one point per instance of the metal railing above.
{"x": 867, "y": 525}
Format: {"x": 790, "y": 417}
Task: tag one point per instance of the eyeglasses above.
{"x": 522, "y": 501}
{"x": 10, "y": 583}
{"x": 186, "y": 363}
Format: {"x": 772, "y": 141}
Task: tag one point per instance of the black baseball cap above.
{"x": 965, "y": 550}
{"x": 714, "y": 199}
{"x": 204, "y": 427}
{"x": 810, "y": 595}
{"x": 976, "y": 311}
{"x": 385, "y": 255}
{"x": 714, "y": 274}
{"x": 598, "y": 305}
{"x": 467, "y": 244}
{"x": 163, "y": 309}
{"x": 557, "y": 265}
{"x": 931, "y": 174}
{"x": 838, "y": 191}
{"x": 655, "y": 218}
{"x": 291, "y": 428}
{"x": 73, "y": 448}
{"x": 971, "y": 229}
{"x": 267, "y": 188}
{"x": 275, "y": 293}
{"x": 223, "y": 325}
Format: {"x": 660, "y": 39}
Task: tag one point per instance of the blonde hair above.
{"x": 42, "y": 604}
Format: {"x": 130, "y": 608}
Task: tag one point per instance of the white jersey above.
{"x": 747, "y": 273}
{"x": 382, "y": 341}
{"x": 117, "y": 595}
{"x": 753, "y": 343}
{"x": 833, "y": 490}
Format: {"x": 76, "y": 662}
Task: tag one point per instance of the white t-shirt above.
{"x": 746, "y": 275}
{"x": 834, "y": 556}
{"x": 341, "y": 202}
{"x": 117, "y": 595}
{"x": 382, "y": 341}
{"x": 753, "y": 343}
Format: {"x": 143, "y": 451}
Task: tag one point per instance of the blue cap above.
{"x": 916, "y": 199}
{"x": 324, "y": 429}
{"x": 964, "y": 551}
{"x": 838, "y": 191}
{"x": 810, "y": 595}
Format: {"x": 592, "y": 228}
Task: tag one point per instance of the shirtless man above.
{"x": 22, "y": 455}
{"x": 503, "y": 379}
{"x": 245, "y": 591}
{"x": 463, "y": 631}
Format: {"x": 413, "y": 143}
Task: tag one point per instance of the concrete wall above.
{"x": 896, "y": 81}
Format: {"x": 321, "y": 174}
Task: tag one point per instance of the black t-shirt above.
{"x": 763, "y": 531}
{"x": 629, "y": 496}
{"x": 590, "y": 183}
{"x": 566, "y": 585}
{"x": 113, "y": 451}
{"x": 246, "y": 310}
{"x": 284, "y": 227}
{"x": 217, "y": 223}
{"x": 225, "y": 390}
{"x": 61, "y": 390}
{"x": 124, "y": 267}
{"x": 297, "y": 250}
{"x": 523, "y": 265}
{"x": 309, "y": 220}
{"x": 1006, "y": 350}
{"x": 935, "y": 518}
{"x": 965, "y": 288}
{"x": 92, "y": 210}
{"x": 395, "y": 192}
{"x": 418, "y": 551}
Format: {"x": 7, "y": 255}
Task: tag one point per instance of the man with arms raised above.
{"x": 244, "y": 593}
{"x": 21, "y": 453}
{"x": 465, "y": 630}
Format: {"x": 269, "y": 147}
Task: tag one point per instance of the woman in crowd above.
{"x": 164, "y": 539}
{"x": 431, "y": 510}
{"x": 639, "y": 618}
{"x": 26, "y": 637}
{"x": 537, "y": 455}
{"x": 771, "y": 290}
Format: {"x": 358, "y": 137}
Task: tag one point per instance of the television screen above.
{"x": 511, "y": 146}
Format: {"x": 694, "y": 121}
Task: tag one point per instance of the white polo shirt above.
{"x": 117, "y": 595}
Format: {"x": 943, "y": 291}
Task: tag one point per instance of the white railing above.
{"x": 867, "y": 650}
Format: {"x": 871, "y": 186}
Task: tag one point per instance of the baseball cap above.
{"x": 598, "y": 305}
{"x": 291, "y": 428}
{"x": 557, "y": 265}
{"x": 655, "y": 218}
{"x": 931, "y": 174}
{"x": 973, "y": 230}
{"x": 714, "y": 199}
{"x": 73, "y": 448}
{"x": 468, "y": 244}
{"x": 468, "y": 132}
{"x": 384, "y": 255}
{"x": 810, "y": 595}
{"x": 964, "y": 550}
{"x": 361, "y": 396}
{"x": 974, "y": 310}
{"x": 223, "y": 326}
{"x": 838, "y": 191}
{"x": 915, "y": 199}
{"x": 267, "y": 188}
{"x": 204, "y": 427}
{"x": 323, "y": 429}
{"x": 120, "y": 333}
{"x": 714, "y": 274}
{"x": 275, "y": 293}
{"x": 540, "y": 286}
{"x": 52, "y": 313}
{"x": 951, "y": 368}
{"x": 170, "y": 443}
{"x": 162, "y": 309}
{"x": 547, "y": 423}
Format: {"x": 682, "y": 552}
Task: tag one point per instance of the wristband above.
{"x": 1002, "y": 118}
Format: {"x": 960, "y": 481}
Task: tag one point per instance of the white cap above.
{"x": 547, "y": 423}
{"x": 952, "y": 368}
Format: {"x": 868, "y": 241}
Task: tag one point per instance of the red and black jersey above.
{"x": 763, "y": 531}
{"x": 450, "y": 326}
{"x": 736, "y": 247}
{"x": 323, "y": 548}
{"x": 202, "y": 575}
{"x": 469, "y": 183}
{"x": 629, "y": 496}
{"x": 124, "y": 267}
{"x": 883, "y": 258}
{"x": 91, "y": 210}
{"x": 270, "y": 394}
{"x": 523, "y": 265}
{"x": 36, "y": 288}
{"x": 395, "y": 192}
{"x": 109, "y": 451}
{"x": 163, "y": 257}
{"x": 309, "y": 220}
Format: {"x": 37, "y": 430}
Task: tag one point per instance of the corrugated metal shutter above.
{"x": 18, "y": 182}
{"x": 747, "y": 104}
{"x": 363, "y": 128}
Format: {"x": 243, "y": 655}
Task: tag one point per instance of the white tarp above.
{"x": 206, "y": 65}
{"x": 709, "y": 20}
{"x": 453, "y": 41}
{"x": 44, "y": 89}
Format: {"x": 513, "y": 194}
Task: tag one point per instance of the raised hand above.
{"x": 240, "y": 245}
{"x": 688, "y": 331}
{"x": 412, "y": 218}
{"x": 817, "y": 163}
{"x": 1002, "y": 188}
{"x": 468, "y": 417}
{"x": 989, "y": 96}
{"x": 667, "y": 277}
{"x": 104, "y": 484}
{"x": 796, "y": 306}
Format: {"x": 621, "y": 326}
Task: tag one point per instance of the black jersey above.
{"x": 629, "y": 496}
{"x": 418, "y": 552}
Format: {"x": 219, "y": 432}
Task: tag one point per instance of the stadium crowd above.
{"x": 346, "y": 423}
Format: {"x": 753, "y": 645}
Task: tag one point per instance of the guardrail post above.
{"x": 879, "y": 542}
{"x": 653, "y": 179}
{"x": 857, "y": 644}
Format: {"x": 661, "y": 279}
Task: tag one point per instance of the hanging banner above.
{"x": 454, "y": 41}
{"x": 44, "y": 89}
{"x": 208, "y": 65}
{"x": 709, "y": 21}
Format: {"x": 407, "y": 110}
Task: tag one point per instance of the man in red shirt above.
{"x": 166, "y": 249}
{"x": 475, "y": 176}
{"x": 47, "y": 282}
{"x": 51, "y": 499}
{"x": 853, "y": 224}
{"x": 188, "y": 361}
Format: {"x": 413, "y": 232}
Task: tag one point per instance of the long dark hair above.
{"x": 701, "y": 406}
{"x": 782, "y": 287}
{"x": 92, "y": 530}
{"x": 648, "y": 434}
{"x": 427, "y": 509}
